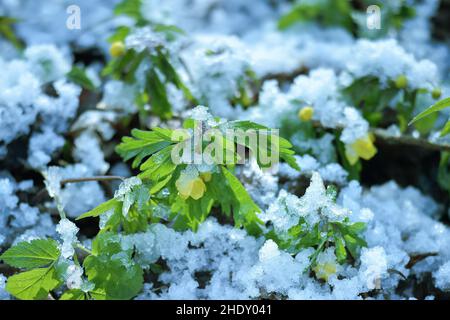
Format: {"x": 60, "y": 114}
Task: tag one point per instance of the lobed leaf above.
{"x": 33, "y": 254}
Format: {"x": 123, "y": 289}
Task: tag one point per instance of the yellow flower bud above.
{"x": 117, "y": 49}
{"x": 401, "y": 82}
{"x": 306, "y": 113}
{"x": 325, "y": 270}
{"x": 436, "y": 93}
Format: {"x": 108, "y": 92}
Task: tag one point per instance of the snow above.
{"x": 3, "y": 294}
{"x": 67, "y": 230}
{"x": 442, "y": 277}
{"x": 61, "y": 132}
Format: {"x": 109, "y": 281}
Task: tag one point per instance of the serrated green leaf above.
{"x": 244, "y": 209}
{"x": 104, "y": 207}
{"x": 33, "y": 254}
{"x": 74, "y": 294}
{"x": 32, "y": 285}
{"x": 118, "y": 277}
{"x": 158, "y": 166}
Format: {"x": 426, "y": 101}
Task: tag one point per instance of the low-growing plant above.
{"x": 189, "y": 192}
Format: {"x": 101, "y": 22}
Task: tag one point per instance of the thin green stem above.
{"x": 88, "y": 179}
{"x": 83, "y": 248}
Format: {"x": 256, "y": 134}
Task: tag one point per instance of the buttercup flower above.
{"x": 325, "y": 270}
{"x": 189, "y": 186}
{"x": 361, "y": 148}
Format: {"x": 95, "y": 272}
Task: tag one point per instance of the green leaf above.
{"x": 169, "y": 30}
{"x": 7, "y": 31}
{"x": 310, "y": 239}
{"x": 120, "y": 34}
{"x": 79, "y": 76}
{"x": 107, "y": 243}
{"x": 282, "y": 146}
{"x": 341, "y": 253}
{"x": 32, "y": 285}
{"x": 74, "y": 294}
{"x": 159, "y": 102}
{"x": 357, "y": 227}
{"x": 244, "y": 209}
{"x": 446, "y": 129}
{"x": 143, "y": 144}
{"x": 425, "y": 125}
{"x": 34, "y": 254}
{"x": 441, "y": 105}
{"x": 104, "y": 207}
{"x": 131, "y": 8}
{"x": 325, "y": 12}
{"x": 171, "y": 75}
{"x": 444, "y": 171}
{"x": 115, "y": 275}
{"x": 158, "y": 166}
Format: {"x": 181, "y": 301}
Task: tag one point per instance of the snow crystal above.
{"x": 68, "y": 233}
{"x": 442, "y": 277}
{"x": 42, "y": 146}
{"x": 47, "y": 62}
{"x": 387, "y": 60}
{"x": 268, "y": 251}
{"x": 331, "y": 172}
{"x": 3, "y": 294}
{"x": 88, "y": 151}
{"x": 126, "y": 186}
{"x": 74, "y": 198}
{"x": 73, "y": 276}
{"x": 25, "y": 216}
{"x": 7, "y": 200}
{"x": 373, "y": 266}
{"x": 119, "y": 96}
{"x": 99, "y": 121}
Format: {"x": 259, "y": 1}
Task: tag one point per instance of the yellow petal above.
{"x": 351, "y": 155}
{"x": 198, "y": 188}
{"x": 364, "y": 148}
{"x": 206, "y": 176}
{"x": 184, "y": 187}
{"x": 324, "y": 271}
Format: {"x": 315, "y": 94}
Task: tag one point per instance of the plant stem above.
{"x": 406, "y": 140}
{"x": 87, "y": 179}
{"x": 83, "y": 248}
